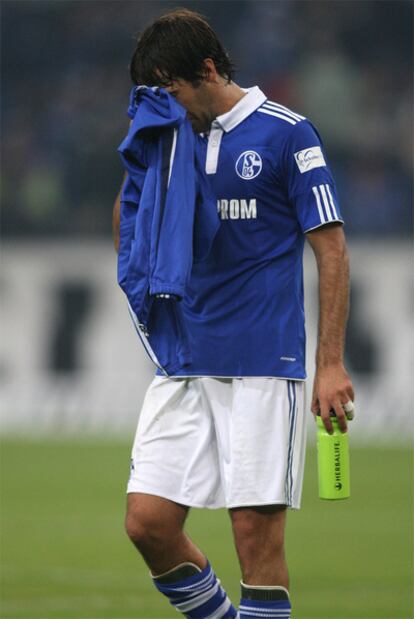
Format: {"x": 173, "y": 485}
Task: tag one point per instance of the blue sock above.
{"x": 264, "y": 603}
{"x": 196, "y": 593}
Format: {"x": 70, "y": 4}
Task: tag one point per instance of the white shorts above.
{"x": 212, "y": 442}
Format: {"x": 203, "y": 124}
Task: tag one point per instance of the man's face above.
{"x": 197, "y": 102}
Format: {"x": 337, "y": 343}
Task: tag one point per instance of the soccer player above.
{"x": 228, "y": 430}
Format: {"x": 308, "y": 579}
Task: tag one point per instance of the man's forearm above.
{"x": 333, "y": 267}
{"x": 115, "y": 221}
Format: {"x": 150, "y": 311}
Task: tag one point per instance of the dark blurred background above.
{"x": 65, "y": 83}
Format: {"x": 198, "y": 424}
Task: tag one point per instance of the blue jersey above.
{"x": 244, "y": 309}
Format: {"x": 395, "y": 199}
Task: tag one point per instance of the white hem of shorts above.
{"x": 186, "y": 503}
{"x": 170, "y": 497}
{"x": 172, "y": 376}
{"x": 263, "y": 504}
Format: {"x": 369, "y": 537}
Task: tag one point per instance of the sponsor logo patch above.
{"x": 249, "y": 165}
{"x": 309, "y": 158}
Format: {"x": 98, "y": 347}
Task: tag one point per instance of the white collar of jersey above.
{"x": 247, "y": 105}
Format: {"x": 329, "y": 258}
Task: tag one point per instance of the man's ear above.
{"x": 210, "y": 71}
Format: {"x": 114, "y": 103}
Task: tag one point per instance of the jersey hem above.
{"x": 232, "y": 376}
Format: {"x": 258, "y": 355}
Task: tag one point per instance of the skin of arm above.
{"x": 115, "y": 221}
{"x": 116, "y": 216}
{"x": 332, "y": 386}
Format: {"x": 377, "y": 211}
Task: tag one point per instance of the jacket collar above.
{"x": 247, "y": 105}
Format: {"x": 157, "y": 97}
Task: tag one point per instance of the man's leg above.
{"x": 259, "y": 537}
{"x": 155, "y": 526}
{"x": 180, "y": 570}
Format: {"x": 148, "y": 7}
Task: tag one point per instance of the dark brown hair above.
{"x": 175, "y": 46}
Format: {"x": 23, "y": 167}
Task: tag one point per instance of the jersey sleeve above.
{"x": 308, "y": 180}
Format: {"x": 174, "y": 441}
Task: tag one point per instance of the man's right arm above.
{"x": 115, "y": 220}
{"x": 116, "y": 216}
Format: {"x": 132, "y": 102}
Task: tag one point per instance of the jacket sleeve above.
{"x": 172, "y": 227}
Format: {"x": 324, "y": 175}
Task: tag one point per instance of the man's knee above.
{"x": 139, "y": 530}
{"x": 144, "y": 526}
{"x": 148, "y": 525}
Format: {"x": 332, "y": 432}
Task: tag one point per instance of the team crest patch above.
{"x": 249, "y": 165}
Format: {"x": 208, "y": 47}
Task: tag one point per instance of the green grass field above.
{"x": 64, "y": 553}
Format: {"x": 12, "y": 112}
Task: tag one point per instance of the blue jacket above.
{"x": 168, "y": 220}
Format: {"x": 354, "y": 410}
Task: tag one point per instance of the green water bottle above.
{"x": 333, "y": 461}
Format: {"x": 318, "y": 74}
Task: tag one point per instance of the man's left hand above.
{"x": 332, "y": 389}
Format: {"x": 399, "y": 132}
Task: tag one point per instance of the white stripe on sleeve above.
{"x": 325, "y": 202}
{"x": 318, "y": 204}
{"x": 328, "y": 189}
{"x": 173, "y": 147}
